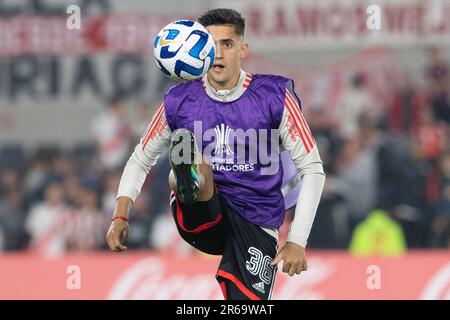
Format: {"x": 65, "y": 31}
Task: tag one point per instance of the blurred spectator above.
{"x": 12, "y": 156}
{"x": 72, "y": 189}
{"x": 444, "y": 165}
{"x": 108, "y": 201}
{"x": 378, "y": 235}
{"x": 324, "y": 134}
{"x": 9, "y": 179}
{"x": 143, "y": 116}
{"x": 37, "y": 175}
{"x": 431, "y": 135}
{"x": 63, "y": 166}
{"x": 441, "y": 223}
{"x": 392, "y": 157}
{"x": 415, "y": 175}
{"x": 403, "y": 185}
{"x": 438, "y": 84}
{"x": 140, "y": 223}
{"x": 111, "y": 131}
{"x": 406, "y": 107}
{"x": 353, "y": 103}
{"x": 46, "y": 220}
{"x": 331, "y": 226}
{"x": 86, "y": 225}
{"x": 12, "y": 217}
{"x": 356, "y": 176}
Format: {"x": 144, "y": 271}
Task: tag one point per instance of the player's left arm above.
{"x": 296, "y": 137}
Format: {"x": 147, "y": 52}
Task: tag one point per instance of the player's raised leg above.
{"x": 191, "y": 178}
{"x": 195, "y": 205}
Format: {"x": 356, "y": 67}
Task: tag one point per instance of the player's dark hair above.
{"x": 223, "y": 16}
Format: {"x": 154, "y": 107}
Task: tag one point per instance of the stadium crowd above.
{"x": 396, "y": 162}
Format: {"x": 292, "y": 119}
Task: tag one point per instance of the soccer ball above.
{"x": 184, "y": 50}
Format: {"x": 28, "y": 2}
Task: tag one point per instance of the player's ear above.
{"x": 245, "y": 50}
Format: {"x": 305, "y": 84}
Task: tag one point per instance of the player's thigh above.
{"x": 245, "y": 271}
{"x": 200, "y": 224}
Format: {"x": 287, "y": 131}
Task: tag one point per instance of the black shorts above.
{"x": 215, "y": 228}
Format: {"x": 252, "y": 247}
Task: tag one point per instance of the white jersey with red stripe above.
{"x": 295, "y": 137}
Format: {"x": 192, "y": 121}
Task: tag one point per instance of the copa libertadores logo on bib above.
{"x": 239, "y": 150}
{"x": 224, "y": 157}
{"x": 222, "y": 140}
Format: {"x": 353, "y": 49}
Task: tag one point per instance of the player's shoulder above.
{"x": 267, "y": 81}
{"x": 269, "y": 77}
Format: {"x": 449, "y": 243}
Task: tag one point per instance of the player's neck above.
{"x": 227, "y": 95}
{"x": 229, "y": 85}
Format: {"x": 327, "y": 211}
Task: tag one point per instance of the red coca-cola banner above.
{"x": 142, "y": 275}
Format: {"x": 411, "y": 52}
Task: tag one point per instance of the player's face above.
{"x": 230, "y": 50}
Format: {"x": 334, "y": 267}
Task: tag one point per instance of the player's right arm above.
{"x": 154, "y": 141}
{"x": 297, "y": 138}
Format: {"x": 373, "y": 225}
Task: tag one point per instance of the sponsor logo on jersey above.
{"x": 222, "y": 140}
{"x": 239, "y": 150}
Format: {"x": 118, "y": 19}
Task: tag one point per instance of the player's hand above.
{"x": 117, "y": 234}
{"x": 294, "y": 258}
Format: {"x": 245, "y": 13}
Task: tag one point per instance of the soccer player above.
{"x": 224, "y": 203}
